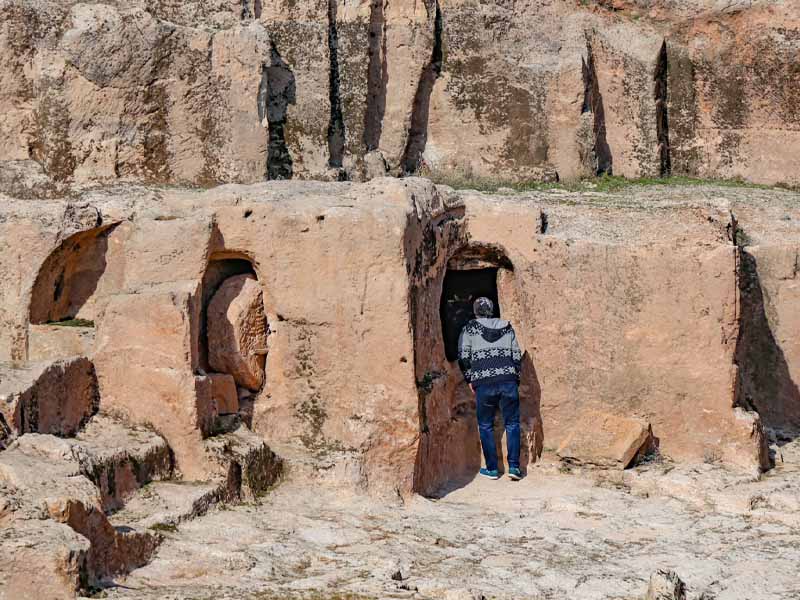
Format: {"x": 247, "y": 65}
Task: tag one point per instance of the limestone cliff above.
{"x": 204, "y": 93}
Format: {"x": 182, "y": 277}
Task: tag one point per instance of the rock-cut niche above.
{"x": 65, "y": 296}
{"x": 233, "y": 334}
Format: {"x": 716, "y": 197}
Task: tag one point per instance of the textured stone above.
{"x": 223, "y": 92}
{"x": 357, "y": 386}
{"x": 237, "y": 331}
{"x": 665, "y": 585}
{"x": 43, "y": 470}
{"x": 48, "y": 397}
{"x": 605, "y": 440}
{"x": 224, "y": 393}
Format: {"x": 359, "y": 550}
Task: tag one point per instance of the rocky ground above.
{"x": 557, "y": 534}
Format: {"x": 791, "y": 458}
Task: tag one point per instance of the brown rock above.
{"x": 605, "y": 440}
{"x": 303, "y": 89}
{"x": 224, "y": 393}
{"x": 41, "y": 559}
{"x": 237, "y": 331}
{"x": 48, "y": 397}
{"x": 43, "y": 471}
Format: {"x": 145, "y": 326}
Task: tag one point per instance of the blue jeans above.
{"x": 488, "y": 397}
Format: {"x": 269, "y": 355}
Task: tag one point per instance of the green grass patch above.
{"x": 72, "y": 323}
{"x": 464, "y": 179}
{"x": 164, "y": 527}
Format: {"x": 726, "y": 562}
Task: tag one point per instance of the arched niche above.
{"x": 66, "y": 296}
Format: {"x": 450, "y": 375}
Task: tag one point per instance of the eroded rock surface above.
{"x": 55, "y": 397}
{"x": 236, "y": 92}
{"x": 554, "y": 534}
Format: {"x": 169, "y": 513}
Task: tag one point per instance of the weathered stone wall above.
{"x": 634, "y": 306}
{"x": 231, "y": 91}
{"x": 631, "y": 310}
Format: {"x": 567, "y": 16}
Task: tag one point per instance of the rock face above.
{"x": 626, "y": 306}
{"x": 217, "y": 92}
{"x": 237, "y": 331}
{"x": 53, "y": 397}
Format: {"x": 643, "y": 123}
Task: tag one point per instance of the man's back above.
{"x": 488, "y": 351}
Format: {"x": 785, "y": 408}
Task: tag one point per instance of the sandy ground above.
{"x": 556, "y": 534}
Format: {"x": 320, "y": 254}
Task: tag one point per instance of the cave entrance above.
{"x": 460, "y": 289}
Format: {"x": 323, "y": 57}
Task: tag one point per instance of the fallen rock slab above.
{"x": 606, "y": 440}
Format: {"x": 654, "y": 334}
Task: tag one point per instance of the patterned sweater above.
{"x": 488, "y": 352}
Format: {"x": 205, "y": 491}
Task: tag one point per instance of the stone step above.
{"x": 248, "y": 465}
{"x": 120, "y": 458}
{"x": 162, "y": 505}
{"x": 45, "y": 481}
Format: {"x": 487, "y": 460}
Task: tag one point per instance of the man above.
{"x": 490, "y": 359}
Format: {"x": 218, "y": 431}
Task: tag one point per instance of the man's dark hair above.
{"x": 483, "y": 307}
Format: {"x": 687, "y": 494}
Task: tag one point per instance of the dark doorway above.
{"x": 460, "y": 289}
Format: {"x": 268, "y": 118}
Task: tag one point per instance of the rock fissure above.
{"x": 336, "y": 129}
{"x": 377, "y": 76}
{"x": 276, "y": 92}
{"x": 601, "y": 159}
{"x": 420, "y": 112}
{"x": 661, "y": 91}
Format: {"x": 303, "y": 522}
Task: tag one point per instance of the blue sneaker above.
{"x": 514, "y": 474}
{"x": 493, "y": 474}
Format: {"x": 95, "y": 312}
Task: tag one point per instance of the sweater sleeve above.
{"x": 516, "y": 353}
{"x": 465, "y": 353}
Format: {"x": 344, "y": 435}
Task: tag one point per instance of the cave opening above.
{"x": 461, "y": 287}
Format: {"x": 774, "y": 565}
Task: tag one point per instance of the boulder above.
{"x": 54, "y": 397}
{"x": 237, "y": 331}
{"x": 606, "y": 440}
